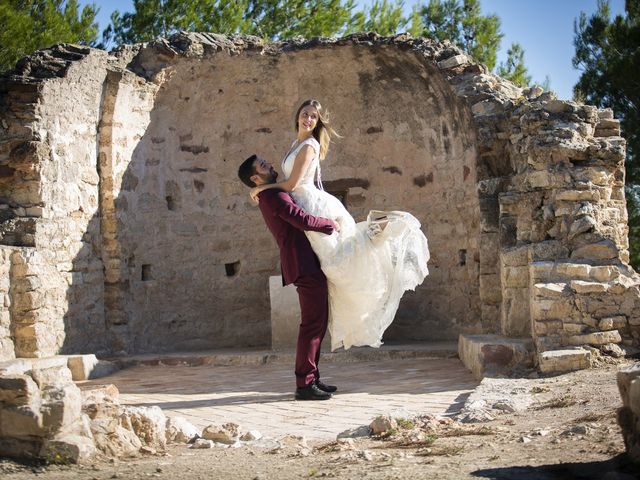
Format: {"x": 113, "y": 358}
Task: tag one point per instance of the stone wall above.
{"x": 49, "y": 148}
{"x": 128, "y": 193}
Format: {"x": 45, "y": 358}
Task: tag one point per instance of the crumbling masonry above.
{"x": 123, "y": 227}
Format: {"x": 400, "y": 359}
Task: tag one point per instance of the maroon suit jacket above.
{"x": 288, "y": 222}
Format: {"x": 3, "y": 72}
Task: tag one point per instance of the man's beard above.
{"x": 270, "y": 177}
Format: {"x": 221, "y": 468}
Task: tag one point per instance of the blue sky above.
{"x": 543, "y": 27}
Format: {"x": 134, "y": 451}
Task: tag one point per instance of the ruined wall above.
{"x": 129, "y": 192}
{"x": 51, "y": 194}
{"x": 197, "y": 250}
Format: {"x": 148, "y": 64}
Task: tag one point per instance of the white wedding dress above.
{"x": 367, "y": 273}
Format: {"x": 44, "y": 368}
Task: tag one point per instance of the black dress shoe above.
{"x": 326, "y": 388}
{"x": 311, "y": 392}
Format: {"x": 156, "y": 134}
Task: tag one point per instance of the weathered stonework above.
{"x": 125, "y": 225}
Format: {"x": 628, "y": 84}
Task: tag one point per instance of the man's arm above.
{"x": 281, "y": 204}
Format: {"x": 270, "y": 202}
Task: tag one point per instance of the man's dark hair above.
{"x": 247, "y": 170}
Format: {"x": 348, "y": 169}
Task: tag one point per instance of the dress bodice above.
{"x": 313, "y": 171}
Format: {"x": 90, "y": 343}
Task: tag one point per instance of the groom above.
{"x": 300, "y": 266}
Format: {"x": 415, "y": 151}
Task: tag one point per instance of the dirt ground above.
{"x": 568, "y": 431}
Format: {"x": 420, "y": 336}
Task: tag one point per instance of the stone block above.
{"x": 549, "y": 250}
{"x": 515, "y": 257}
{"x": 50, "y": 373}
{"x": 98, "y": 394}
{"x": 180, "y": 430}
{"x": 578, "y": 195}
{"x": 573, "y": 270}
{"x": 494, "y": 354}
{"x": 547, "y": 327}
{"x": 21, "y": 422}
{"x": 20, "y": 448}
{"x": 88, "y": 367}
{"x": 454, "y": 61}
{"x": 18, "y": 390}
{"x": 574, "y": 328}
{"x": 148, "y": 423}
{"x": 515, "y": 277}
{"x": 61, "y": 407}
{"x": 567, "y": 360}
{"x": 604, "y": 273}
{"x": 582, "y": 287}
{"x": 285, "y": 316}
{"x": 541, "y": 272}
{"x": 490, "y": 289}
{"x": 595, "y": 338}
{"x": 625, "y": 377}
{"x": 612, "y": 323}
{"x": 227, "y": 433}
{"x": 629, "y": 414}
{"x": 550, "y": 290}
{"x": 515, "y": 320}
{"x": 548, "y": 342}
{"x": 604, "y": 250}
{"x": 67, "y": 448}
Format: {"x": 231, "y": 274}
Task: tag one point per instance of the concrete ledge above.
{"x": 566, "y": 360}
{"x": 494, "y": 355}
{"x": 82, "y": 367}
{"x": 260, "y": 356}
{"x": 285, "y": 316}
{"x": 87, "y": 367}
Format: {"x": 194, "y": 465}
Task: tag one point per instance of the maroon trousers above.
{"x": 314, "y": 312}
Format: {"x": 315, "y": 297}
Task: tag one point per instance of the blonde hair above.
{"x": 323, "y": 131}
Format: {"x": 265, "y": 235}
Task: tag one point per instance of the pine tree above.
{"x": 383, "y": 17}
{"x": 606, "y": 50}
{"x": 462, "y": 23}
{"x": 26, "y": 26}
{"x": 514, "y": 68}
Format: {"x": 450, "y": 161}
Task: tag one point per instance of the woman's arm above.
{"x": 300, "y": 165}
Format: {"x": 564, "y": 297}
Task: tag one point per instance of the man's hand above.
{"x": 336, "y": 226}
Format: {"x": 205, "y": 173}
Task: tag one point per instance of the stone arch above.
{"x": 407, "y": 143}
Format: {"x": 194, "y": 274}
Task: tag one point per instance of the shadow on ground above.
{"x": 617, "y": 468}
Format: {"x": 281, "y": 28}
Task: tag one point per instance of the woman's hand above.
{"x": 253, "y": 193}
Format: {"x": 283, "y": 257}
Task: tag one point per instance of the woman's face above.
{"x": 308, "y": 119}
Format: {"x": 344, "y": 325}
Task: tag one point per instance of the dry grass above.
{"x": 595, "y": 417}
{"x": 444, "y": 450}
{"x": 461, "y": 432}
{"x": 558, "y": 402}
{"x": 410, "y": 443}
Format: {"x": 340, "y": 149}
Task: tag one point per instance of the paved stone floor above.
{"x": 260, "y": 397}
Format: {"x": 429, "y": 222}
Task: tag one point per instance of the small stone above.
{"x": 180, "y": 430}
{"x": 367, "y": 455}
{"x": 525, "y": 440}
{"x": 612, "y": 350}
{"x": 251, "y": 436}
{"x": 382, "y": 424}
{"x": 227, "y": 434}
{"x": 454, "y": 61}
{"x": 147, "y": 450}
{"x": 362, "y": 431}
{"x": 202, "y": 443}
{"x": 504, "y": 406}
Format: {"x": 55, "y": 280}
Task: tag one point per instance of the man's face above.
{"x": 265, "y": 173}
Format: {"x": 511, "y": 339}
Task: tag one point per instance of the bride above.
{"x": 368, "y": 265}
